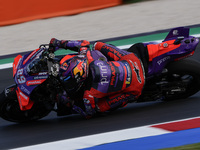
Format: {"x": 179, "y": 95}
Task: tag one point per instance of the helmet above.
{"x": 73, "y": 72}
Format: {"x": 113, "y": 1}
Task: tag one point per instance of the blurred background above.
{"x": 24, "y": 25}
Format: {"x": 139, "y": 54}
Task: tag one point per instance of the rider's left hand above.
{"x": 81, "y": 112}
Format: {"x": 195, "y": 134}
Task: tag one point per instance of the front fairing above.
{"x": 26, "y": 83}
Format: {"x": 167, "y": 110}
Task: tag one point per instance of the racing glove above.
{"x": 65, "y": 100}
{"x": 89, "y": 111}
{"x": 55, "y": 44}
{"x": 81, "y": 112}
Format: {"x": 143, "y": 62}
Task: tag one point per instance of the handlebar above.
{"x": 48, "y": 53}
{"x": 43, "y": 45}
{"x": 46, "y": 62}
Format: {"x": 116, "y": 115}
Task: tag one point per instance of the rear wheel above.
{"x": 10, "y": 110}
{"x": 184, "y": 78}
{"x": 180, "y": 80}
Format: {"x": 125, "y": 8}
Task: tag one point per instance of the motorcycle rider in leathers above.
{"x": 107, "y": 83}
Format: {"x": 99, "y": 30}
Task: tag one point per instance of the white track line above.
{"x": 98, "y": 139}
{"x": 5, "y": 66}
{"x": 103, "y": 138}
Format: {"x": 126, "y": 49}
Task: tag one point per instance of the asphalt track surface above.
{"x": 53, "y": 128}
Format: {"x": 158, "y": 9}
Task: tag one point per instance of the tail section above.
{"x": 177, "y": 32}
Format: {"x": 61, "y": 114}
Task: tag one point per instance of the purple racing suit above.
{"x": 112, "y": 81}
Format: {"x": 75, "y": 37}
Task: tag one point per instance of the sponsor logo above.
{"x": 137, "y": 71}
{"x": 78, "y": 69}
{"x": 34, "y": 82}
{"x": 175, "y": 32}
{"x": 128, "y": 79}
{"x": 104, "y": 73}
{"x": 118, "y": 100}
{"x": 113, "y": 77}
{"x": 163, "y": 60}
{"x": 42, "y": 73}
{"x": 8, "y": 90}
{"x": 64, "y": 66}
{"x": 23, "y": 95}
{"x": 81, "y": 56}
{"x": 40, "y": 77}
{"x": 112, "y": 50}
{"x": 83, "y": 51}
{"x": 25, "y": 90}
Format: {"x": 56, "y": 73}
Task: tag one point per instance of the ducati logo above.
{"x": 175, "y": 32}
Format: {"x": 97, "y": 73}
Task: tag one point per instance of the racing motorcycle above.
{"x": 170, "y": 77}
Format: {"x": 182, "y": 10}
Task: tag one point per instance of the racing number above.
{"x": 21, "y": 79}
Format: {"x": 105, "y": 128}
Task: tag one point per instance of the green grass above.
{"x": 185, "y": 147}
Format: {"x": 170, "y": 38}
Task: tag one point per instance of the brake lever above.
{"x": 44, "y": 45}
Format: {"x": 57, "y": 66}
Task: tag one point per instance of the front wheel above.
{"x": 10, "y": 110}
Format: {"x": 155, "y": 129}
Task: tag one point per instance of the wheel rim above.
{"x": 186, "y": 85}
{"x": 11, "y": 111}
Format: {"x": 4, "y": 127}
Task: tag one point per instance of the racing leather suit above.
{"x": 112, "y": 83}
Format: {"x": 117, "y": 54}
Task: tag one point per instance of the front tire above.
{"x": 10, "y": 110}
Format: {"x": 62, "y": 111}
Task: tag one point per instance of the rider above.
{"x": 109, "y": 81}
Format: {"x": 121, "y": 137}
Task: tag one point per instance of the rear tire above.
{"x": 186, "y": 71}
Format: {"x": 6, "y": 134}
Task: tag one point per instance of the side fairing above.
{"x": 27, "y": 83}
{"x": 185, "y": 49}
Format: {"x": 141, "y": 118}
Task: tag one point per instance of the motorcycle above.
{"x": 170, "y": 77}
